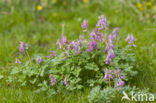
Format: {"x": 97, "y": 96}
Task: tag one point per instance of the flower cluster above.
{"x": 18, "y": 61}
{"x": 65, "y": 81}
{"x": 131, "y": 39}
{"x": 62, "y": 43}
{"x": 110, "y": 46}
{"x": 92, "y": 43}
{"x": 70, "y": 45}
{"x": 85, "y": 25}
{"x": 39, "y": 59}
{"x": 113, "y": 74}
{"x": 23, "y": 47}
{"x": 52, "y": 80}
{"x": 102, "y": 23}
{"x": 52, "y": 54}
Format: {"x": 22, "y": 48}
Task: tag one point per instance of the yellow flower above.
{"x": 39, "y": 7}
{"x": 85, "y": 1}
{"x": 149, "y": 3}
{"x": 139, "y": 5}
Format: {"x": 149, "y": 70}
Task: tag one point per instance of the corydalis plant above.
{"x": 62, "y": 43}
{"x": 131, "y": 39}
{"x": 65, "y": 81}
{"x": 53, "y": 54}
{"x": 85, "y": 25}
{"x": 70, "y": 45}
{"x": 23, "y": 47}
{"x": 102, "y": 23}
{"x": 39, "y": 59}
{"x": 52, "y": 80}
{"x": 81, "y": 63}
{"x": 110, "y": 45}
{"x": 115, "y": 76}
{"x": 18, "y": 61}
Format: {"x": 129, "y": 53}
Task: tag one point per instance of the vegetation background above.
{"x": 39, "y": 23}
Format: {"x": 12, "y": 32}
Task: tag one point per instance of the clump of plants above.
{"x": 94, "y": 59}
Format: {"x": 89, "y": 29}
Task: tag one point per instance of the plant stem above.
{"x": 28, "y": 56}
{"x": 109, "y": 83}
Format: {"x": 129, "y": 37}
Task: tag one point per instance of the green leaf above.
{"x": 92, "y": 66}
{"x": 15, "y": 70}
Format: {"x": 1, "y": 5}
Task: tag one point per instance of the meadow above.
{"x": 40, "y": 27}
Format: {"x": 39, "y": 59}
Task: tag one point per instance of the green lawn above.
{"x": 41, "y": 30}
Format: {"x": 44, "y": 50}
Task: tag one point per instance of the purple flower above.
{"x": 76, "y": 46}
{"x": 48, "y": 57}
{"x": 77, "y": 50}
{"x": 102, "y": 23}
{"x": 81, "y": 37}
{"x": 52, "y": 80}
{"x": 55, "y": 80}
{"x": 85, "y": 25}
{"x": 110, "y": 56}
{"x": 115, "y": 32}
{"x": 80, "y": 40}
{"x": 18, "y": 61}
{"x": 110, "y": 46}
{"x": 52, "y": 53}
{"x": 59, "y": 44}
{"x": 23, "y": 47}
{"x": 131, "y": 39}
{"x": 65, "y": 81}
{"x": 92, "y": 45}
{"x": 68, "y": 47}
{"x": 73, "y": 45}
{"x": 118, "y": 73}
{"x": 99, "y": 37}
{"x": 110, "y": 40}
{"x": 92, "y": 34}
{"x": 108, "y": 75}
{"x": 111, "y": 74}
{"x": 111, "y": 53}
{"x": 64, "y": 40}
{"x": 113, "y": 35}
{"x": 119, "y": 83}
{"x": 39, "y": 59}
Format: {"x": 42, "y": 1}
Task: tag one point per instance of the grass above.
{"x": 41, "y": 30}
{"x": 27, "y": 96}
